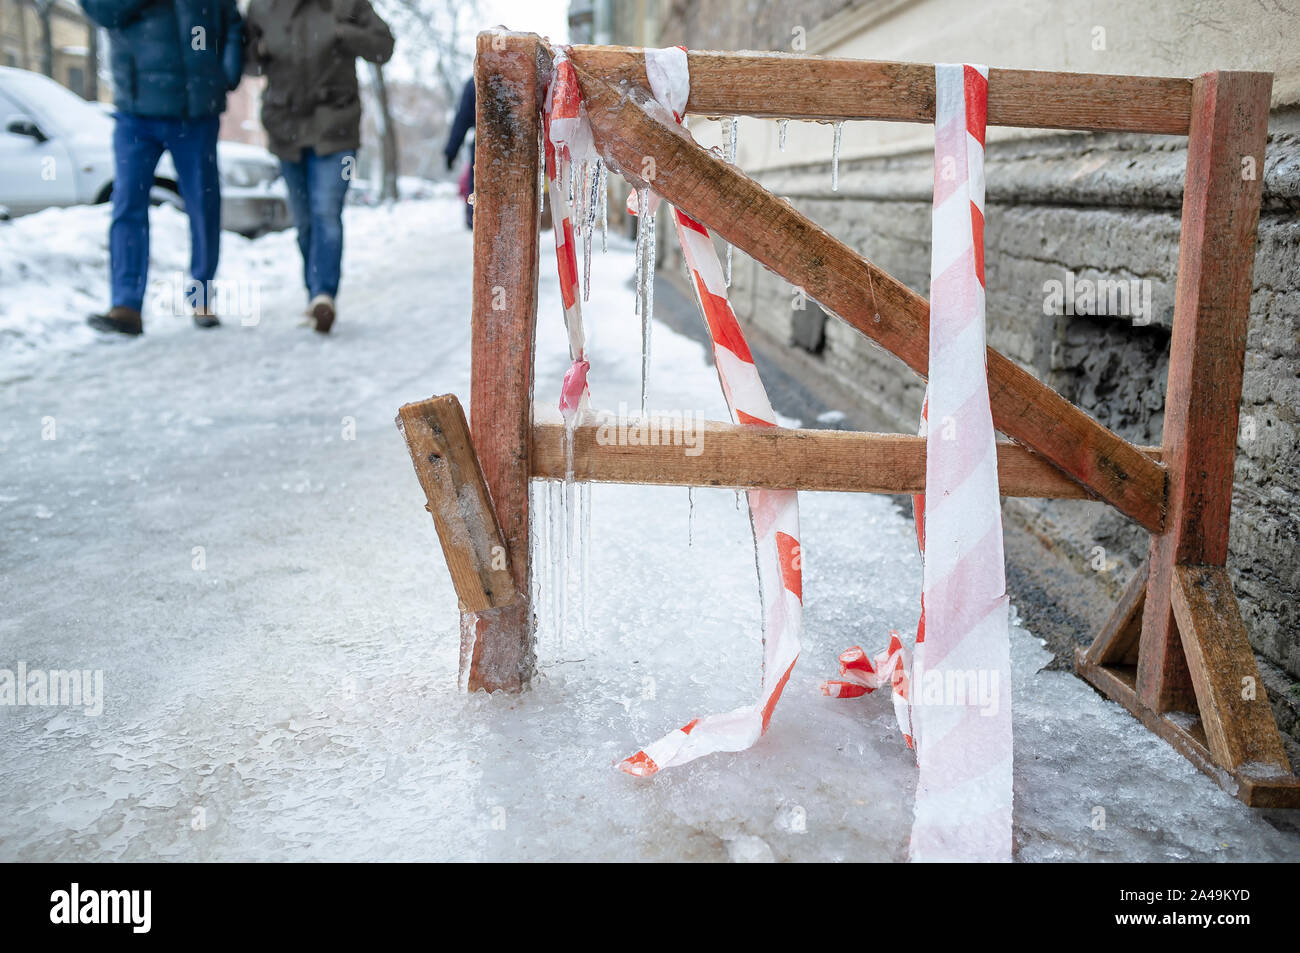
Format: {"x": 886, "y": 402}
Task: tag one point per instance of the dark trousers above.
{"x": 138, "y": 144}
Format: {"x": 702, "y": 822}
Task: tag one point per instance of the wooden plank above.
{"x": 1234, "y": 707}
{"x": 1207, "y": 354}
{"x": 712, "y": 453}
{"x": 1117, "y": 642}
{"x": 1264, "y": 789}
{"x": 773, "y": 233}
{"x": 813, "y": 87}
{"x": 448, "y": 469}
{"x": 506, "y": 223}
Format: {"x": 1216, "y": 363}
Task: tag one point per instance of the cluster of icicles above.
{"x": 561, "y": 529}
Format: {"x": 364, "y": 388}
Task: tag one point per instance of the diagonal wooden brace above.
{"x": 770, "y": 231}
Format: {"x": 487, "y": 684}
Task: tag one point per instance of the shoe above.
{"x": 119, "y": 320}
{"x": 322, "y": 310}
{"x": 203, "y": 318}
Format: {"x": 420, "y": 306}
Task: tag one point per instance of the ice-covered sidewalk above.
{"x": 296, "y": 698}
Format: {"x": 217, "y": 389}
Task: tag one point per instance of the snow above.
{"x": 297, "y": 698}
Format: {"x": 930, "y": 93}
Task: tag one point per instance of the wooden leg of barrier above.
{"x": 1239, "y": 726}
{"x": 1195, "y": 682}
{"x": 448, "y": 469}
{"x": 506, "y": 220}
{"x": 1207, "y": 354}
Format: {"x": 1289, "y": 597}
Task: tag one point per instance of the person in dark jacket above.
{"x": 173, "y": 62}
{"x": 460, "y": 127}
{"x": 311, "y": 109}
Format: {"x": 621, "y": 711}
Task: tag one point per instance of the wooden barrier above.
{"x": 1175, "y": 652}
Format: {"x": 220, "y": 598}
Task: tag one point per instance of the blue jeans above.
{"x": 317, "y": 185}
{"x": 138, "y": 144}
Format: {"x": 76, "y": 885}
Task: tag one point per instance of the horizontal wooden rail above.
{"x": 875, "y": 303}
{"x": 712, "y": 453}
{"x": 784, "y": 85}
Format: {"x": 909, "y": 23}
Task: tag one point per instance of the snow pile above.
{"x": 54, "y": 272}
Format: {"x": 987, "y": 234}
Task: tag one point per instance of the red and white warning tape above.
{"x": 963, "y": 745}
{"x": 774, "y": 514}
{"x": 960, "y": 675}
{"x": 566, "y": 136}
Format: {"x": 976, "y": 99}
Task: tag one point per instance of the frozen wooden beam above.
{"x": 509, "y": 73}
{"x": 712, "y": 453}
{"x": 448, "y": 469}
{"x": 1239, "y": 725}
{"x": 1207, "y": 354}
{"x": 770, "y": 231}
{"x": 795, "y": 86}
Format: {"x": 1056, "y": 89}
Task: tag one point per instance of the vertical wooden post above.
{"x": 1225, "y": 171}
{"x": 506, "y": 219}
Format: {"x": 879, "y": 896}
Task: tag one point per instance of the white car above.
{"x": 57, "y": 149}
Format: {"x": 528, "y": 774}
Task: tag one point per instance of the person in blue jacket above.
{"x": 460, "y": 127}
{"x": 173, "y": 62}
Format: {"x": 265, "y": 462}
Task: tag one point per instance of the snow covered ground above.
{"x": 295, "y": 698}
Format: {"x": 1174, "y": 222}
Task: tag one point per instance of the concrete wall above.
{"x": 1092, "y": 206}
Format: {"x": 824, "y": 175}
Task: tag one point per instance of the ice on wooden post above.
{"x": 447, "y": 467}
{"x": 604, "y": 207}
{"x": 645, "y": 252}
{"x": 731, "y": 158}
{"x": 835, "y": 158}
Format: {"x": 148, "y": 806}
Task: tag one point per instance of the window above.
{"x": 77, "y": 80}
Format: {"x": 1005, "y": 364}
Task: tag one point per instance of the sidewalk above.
{"x": 296, "y": 698}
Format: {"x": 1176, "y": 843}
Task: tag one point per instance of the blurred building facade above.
{"x": 51, "y": 37}
{"x": 1097, "y": 206}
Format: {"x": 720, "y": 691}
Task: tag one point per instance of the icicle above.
{"x": 732, "y": 134}
{"x": 584, "y": 495}
{"x": 541, "y": 176}
{"x": 640, "y": 241}
{"x": 589, "y": 225}
{"x": 580, "y": 198}
{"x": 690, "y": 517}
{"x": 534, "y": 539}
{"x": 604, "y": 207}
{"x": 648, "y": 309}
{"x": 835, "y": 158}
{"x": 762, "y": 596}
{"x": 780, "y": 133}
{"x": 468, "y": 633}
{"x": 737, "y": 501}
{"x": 543, "y": 552}
{"x": 556, "y": 507}
{"x": 569, "y": 426}
{"x": 644, "y": 236}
